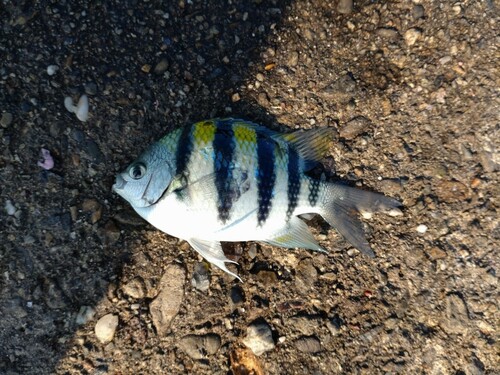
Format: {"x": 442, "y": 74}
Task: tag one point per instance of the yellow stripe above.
{"x": 204, "y": 132}
{"x": 244, "y": 134}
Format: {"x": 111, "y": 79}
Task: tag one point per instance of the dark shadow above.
{"x": 147, "y": 67}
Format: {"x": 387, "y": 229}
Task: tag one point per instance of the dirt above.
{"x": 411, "y": 87}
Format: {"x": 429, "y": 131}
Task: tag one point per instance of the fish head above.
{"x": 145, "y": 181}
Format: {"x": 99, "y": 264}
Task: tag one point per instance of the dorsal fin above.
{"x": 312, "y": 145}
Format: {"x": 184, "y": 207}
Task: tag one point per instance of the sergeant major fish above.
{"x": 232, "y": 180}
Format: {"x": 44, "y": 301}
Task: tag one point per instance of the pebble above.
{"x": 52, "y": 69}
{"x": 260, "y": 77}
{"x": 355, "y": 127}
{"x": 259, "y": 338}
{"x": 200, "y": 346}
{"x": 6, "y": 119}
{"x": 85, "y": 315}
{"x": 161, "y": 67}
{"x": 457, "y": 316}
{"x": 94, "y": 208}
{"x": 201, "y": 277}
{"x": 109, "y": 234}
{"x": 309, "y": 344}
{"x": 105, "y": 328}
{"x": 418, "y": 12}
{"x": 135, "y": 288}
{"x": 10, "y": 208}
{"x": 345, "y": 6}
{"x": 388, "y": 33}
{"x": 436, "y": 253}
{"x": 293, "y": 59}
{"x": 412, "y": 35}
{"x": 81, "y": 109}
{"x": 244, "y": 362}
{"x": 422, "y": 228}
{"x": 167, "y": 303}
{"x": 235, "y": 97}
{"x": 451, "y": 191}
{"x": 90, "y": 88}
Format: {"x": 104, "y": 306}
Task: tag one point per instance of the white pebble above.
{"x": 68, "y": 104}
{"x": 106, "y": 327}
{"x": 422, "y": 228}
{"x": 10, "y": 208}
{"x": 82, "y": 109}
{"x": 395, "y": 212}
{"x": 52, "y": 69}
{"x": 366, "y": 215}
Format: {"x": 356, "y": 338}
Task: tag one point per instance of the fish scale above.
{"x": 232, "y": 180}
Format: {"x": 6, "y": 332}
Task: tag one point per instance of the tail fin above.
{"x": 341, "y": 207}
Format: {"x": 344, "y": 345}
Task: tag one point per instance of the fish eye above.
{"x": 137, "y": 171}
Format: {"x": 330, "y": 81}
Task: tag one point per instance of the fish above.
{"x": 231, "y": 180}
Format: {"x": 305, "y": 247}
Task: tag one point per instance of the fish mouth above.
{"x": 119, "y": 184}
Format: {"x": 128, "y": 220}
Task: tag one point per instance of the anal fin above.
{"x": 295, "y": 234}
{"x": 212, "y": 252}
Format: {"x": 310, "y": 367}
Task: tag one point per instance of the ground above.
{"x": 410, "y": 86}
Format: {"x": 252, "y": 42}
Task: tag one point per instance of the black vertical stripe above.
{"x": 266, "y": 177}
{"x": 224, "y": 145}
{"x": 184, "y": 150}
{"x": 313, "y": 191}
{"x": 293, "y": 182}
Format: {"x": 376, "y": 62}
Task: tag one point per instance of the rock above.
{"x": 355, "y": 127}
{"x": 109, "y": 234}
{"x": 10, "y": 208}
{"x": 345, "y": 6}
{"x": 244, "y": 362}
{"x": 260, "y": 77}
{"x": 259, "y": 338}
{"x": 306, "y": 274}
{"x": 135, "y": 288}
{"x": 90, "y": 88}
{"x": 342, "y": 90}
{"x": 412, "y": 35}
{"x": 389, "y": 33}
{"x": 52, "y": 69}
{"x": 105, "y": 328}
{"x": 168, "y": 302}
{"x": 293, "y": 59}
{"x": 6, "y": 119}
{"x": 436, "y": 253}
{"x": 85, "y": 315}
{"x": 309, "y": 344}
{"x": 237, "y": 295}
{"x": 201, "y": 277}
{"x": 422, "y": 228}
{"x": 451, "y": 191}
{"x": 457, "y": 315}
{"x": 161, "y": 67}
{"x": 94, "y": 208}
{"x": 200, "y": 346}
{"x": 268, "y": 278}
{"x": 418, "y": 12}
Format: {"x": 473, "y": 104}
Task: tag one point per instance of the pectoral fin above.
{"x": 212, "y": 252}
{"x": 295, "y": 234}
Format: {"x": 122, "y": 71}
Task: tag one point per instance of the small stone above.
{"x": 388, "y": 33}
{"x": 456, "y": 320}
{"x": 260, "y": 77}
{"x": 201, "y": 277}
{"x": 259, "y": 338}
{"x": 135, "y": 288}
{"x": 82, "y": 108}
{"x": 244, "y": 362}
{"x": 293, "y": 59}
{"x": 161, "y": 67}
{"x": 268, "y": 278}
{"x": 412, "y": 35}
{"x": 200, "y": 346}
{"x": 6, "y": 119}
{"x": 235, "y": 97}
{"x": 52, "y": 69}
{"x": 418, "y": 12}
{"x": 90, "y": 88}
{"x": 355, "y": 127}
{"x": 105, "y": 328}
{"x": 263, "y": 99}
{"x": 167, "y": 303}
{"x": 109, "y": 234}
{"x": 422, "y": 228}
{"x": 10, "y": 208}
{"x": 451, "y": 191}
{"x": 308, "y": 344}
{"x": 94, "y": 208}
{"x": 85, "y": 315}
{"x": 146, "y": 68}
{"x": 345, "y": 6}
{"x": 436, "y": 253}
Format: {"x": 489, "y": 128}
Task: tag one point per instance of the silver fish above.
{"x": 232, "y": 180}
